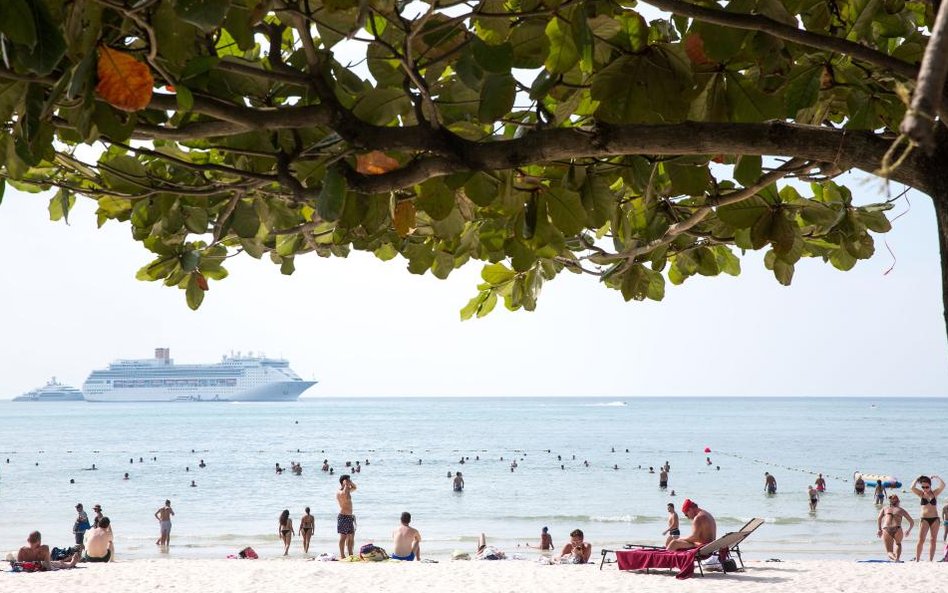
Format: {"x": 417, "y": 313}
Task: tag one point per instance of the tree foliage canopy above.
{"x": 537, "y": 136}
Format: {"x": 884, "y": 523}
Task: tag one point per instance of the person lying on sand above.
{"x": 37, "y": 552}
{"x": 576, "y": 551}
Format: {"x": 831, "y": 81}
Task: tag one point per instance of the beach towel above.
{"x": 641, "y": 559}
{"x": 26, "y": 566}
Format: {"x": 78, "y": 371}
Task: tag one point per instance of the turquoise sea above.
{"x": 412, "y": 443}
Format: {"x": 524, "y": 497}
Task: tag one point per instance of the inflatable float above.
{"x": 872, "y": 479}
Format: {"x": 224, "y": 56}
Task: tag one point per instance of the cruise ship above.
{"x": 236, "y": 378}
{"x": 53, "y": 391}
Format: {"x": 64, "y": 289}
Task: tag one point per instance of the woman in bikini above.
{"x": 307, "y": 527}
{"x": 286, "y": 530}
{"x": 928, "y": 524}
{"x": 890, "y": 527}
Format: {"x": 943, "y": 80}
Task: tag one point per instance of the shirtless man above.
{"x": 673, "y": 531}
{"x": 546, "y": 540}
{"x": 814, "y": 497}
{"x": 663, "y": 479}
{"x": 37, "y": 552}
{"x": 890, "y": 527}
{"x": 98, "y": 542}
{"x": 458, "y": 482}
{"x": 820, "y": 483}
{"x": 576, "y": 551}
{"x": 164, "y": 515}
{"x": 770, "y": 483}
{"x": 407, "y": 541}
{"x": 703, "y": 528}
{"x": 346, "y": 521}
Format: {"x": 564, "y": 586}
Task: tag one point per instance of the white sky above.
{"x": 70, "y": 304}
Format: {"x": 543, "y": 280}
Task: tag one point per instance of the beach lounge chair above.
{"x": 748, "y": 528}
{"x": 647, "y": 557}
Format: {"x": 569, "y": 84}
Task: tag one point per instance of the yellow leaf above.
{"x": 124, "y": 82}
{"x": 404, "y": 218}
{"x": 375, "y": 163}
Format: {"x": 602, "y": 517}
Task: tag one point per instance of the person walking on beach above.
{"x": 286, "y": 530}
{"x": 770, "y": 483}
{"x": 458, "y": 482}
{"x": 406, "y": 541}
{"x": 814, "y": 497}
{"x": 890, "y": 527}
{"x": 704, "y": 529}
{"x": 81, "y": 525}
{"x": 307, "y": 528}
{"x": 879, "y": 492}
{"x": 928, "y": 523}
{"x": 164, "y": 515}
{"x": 345, "y": 521}
{"x": 673, "y": 531}
{"x": 546, "y": 540}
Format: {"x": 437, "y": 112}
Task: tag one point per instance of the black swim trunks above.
{"x": 663, "y": 484}
{"x": 345, "y": 524}
{"x": 674, "y": 532}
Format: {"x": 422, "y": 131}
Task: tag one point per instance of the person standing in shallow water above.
{"x": 307, "y": 528}
{"x": 928, "y": 524}
{"x": 345, "y": 521}
{"x": 458, "y": 482}
{"x": 770, "y": 483}
{"x": 890, "y": 527}
{"x": 164, "y": 515}
{"x": 286, "y": 530}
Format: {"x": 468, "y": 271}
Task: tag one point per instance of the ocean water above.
{"x": 238, "y": 496}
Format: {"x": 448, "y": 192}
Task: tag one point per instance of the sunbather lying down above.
{"x": 37, "y": 552}
{"x": 485, "y": 552}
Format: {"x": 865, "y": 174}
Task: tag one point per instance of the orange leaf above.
{"x": 404, "y": 218}
{"x": 124, "y": 82}
{"x": 201, "y": 281}
{"x": 694, "y": 47}
{"x": 375, "y": 163}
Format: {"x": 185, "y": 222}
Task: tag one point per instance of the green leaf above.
{"x": 566, "y": 210}
{"x": 184, "y": 98}
{"x": 482, "y": 189}
{"x": 748, "y": 169}
{"x": 435, "y": 198}
{"x": 563, "y": 54}
{"x": 44, "y": 55}
{"x": 205, "y": 14}
{"x": 83, "y": 75}
{"x": 688, "y": 180}
{"x": 497, "y": 59}
{"x": 747, "y": 103}
{"x": 635, "y": 283}
{"x": 783, "y": 272}
{"x": 123, "y": 173}
{"x": 60, "y": 205}
{"x": 3, "y": 187}
{"x": 332, "y": 196}
{"x": 762, "y": 231}
{"x": 381, "y": 106}
{"x": 193, "y": 293}
{"x": 497, "y": 97}
{"x": 875, "y": 221}
{"x": 743, "y": 214}
{"x": 497, "y": 274}
{"x": 245, "y": 222}
{"x": 707, "y": 262}
{"x": 783, "y": 233}
{"x": 652, "y": 87}
{"x": 195, "y": 219}
{"x": 190, "y": 260}
{"x": 530, "y": 44}
{"x": 16, "y": 22}
{"x": 727, "y": 261}
{"x": 287, "y": 266}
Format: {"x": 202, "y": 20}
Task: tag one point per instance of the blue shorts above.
{"x": 409, "y": 557}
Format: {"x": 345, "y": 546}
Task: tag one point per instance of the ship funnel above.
{"x": 163, "y": 354}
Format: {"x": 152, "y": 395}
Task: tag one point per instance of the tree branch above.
{"x": 918, "y": 123}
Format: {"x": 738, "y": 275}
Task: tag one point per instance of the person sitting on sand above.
{"x": 286, "y": 530}
{"x": 546, "y": 540}
{"x": 407, "y": 541}
{"x": 704, "y": 529}
{"x": 98, "y": 542}
{"x": 890, "y": 527}
{"x": 37, "y": 552}
{"x": 576, "y": 551}
{"x": 458, "y": 482}
{"x": 673, "y": 531}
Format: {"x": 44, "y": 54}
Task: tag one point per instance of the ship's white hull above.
{"x": 272, "y": 392}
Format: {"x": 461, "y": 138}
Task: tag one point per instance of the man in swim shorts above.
{"x": 164, "y": 515}
{"x": 703, "y": 528}
{"x": 346, "y": 521}
{"x": 407, "y": 540}
{"x": 673, "y": 530}
{"x": 770, "y": 483}
{"x": 663, "y": 479}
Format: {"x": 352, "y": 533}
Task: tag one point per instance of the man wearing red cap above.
{"x": 703, "y": 528}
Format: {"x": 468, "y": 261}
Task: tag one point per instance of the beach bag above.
{"x": 372, "y": 553}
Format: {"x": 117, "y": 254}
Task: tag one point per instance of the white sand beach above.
{"x": 301, "y": 576}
